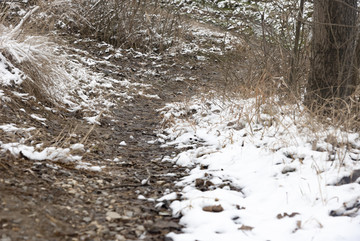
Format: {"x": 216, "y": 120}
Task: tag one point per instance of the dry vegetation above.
{"x": 256, "y": 68}
{"x": 28, "y": 42}
{"x": 259, "y": 68}
{"x": 142, "y": 25}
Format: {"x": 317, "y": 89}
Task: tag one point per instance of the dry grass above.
{"x": 142, "y": 25}
{"x": 43, "y": 71}
{"x": 260, "y": 70}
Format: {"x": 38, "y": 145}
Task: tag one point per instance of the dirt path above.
{"x": 56, "y": 201}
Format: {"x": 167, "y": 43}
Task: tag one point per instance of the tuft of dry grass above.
{"x": 260, "y": 69}
{"x": 42, "y": 70}
{"x": 142, "y": 25}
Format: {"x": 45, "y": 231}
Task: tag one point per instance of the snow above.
{"x": 77, "y": 146}
{"x": 170, "y": 196}
{"x": 243, "y": 16}
{"x": 8, "y": 73}
{"x": 149, "y": 96}
{"x": 89, "y": 167}
{"x": 13, "y": 128}
{"x": 274, "y": 178}
{"x": 37, "y": 117}
{"x": 49, "y": 153}
{"x": 93, "y": 119}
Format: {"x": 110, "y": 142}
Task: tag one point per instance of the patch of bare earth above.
{"x": 49, "y": 200}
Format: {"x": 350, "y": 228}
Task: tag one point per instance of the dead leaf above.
{"x": 280, "y": 216}
{"x": 214, "y": 209}
{"x": 239, "y": 207}
{"x": 246, "y": 228}
{"x": 209, "y": 183}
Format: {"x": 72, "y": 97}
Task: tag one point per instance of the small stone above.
{"x": 214, "y": 209}
{"x": 112, "y": 216}
{"x": 161, "y": 225}
{"x": 139, "y": 230}
{"x": 87, "y": 219}
{"x": 17, "y": 221}
{"x": 72, "y": 191}
{"x": 91, "y": 233}
{"x": 350, "y": 179}
{"x": 209, "y": 183}
{"x": 165, "y": 214}
{"x": 120, "y": 237}
{"x": 129, "y": 213}
{"x": 231, "y": 123}
{"x": 5, "y": 238}
{"x": 199, "y": 182}
{"x": 246, "y": 228}
{"x": 288, "y": 169}
{"x": 148, "y": 223}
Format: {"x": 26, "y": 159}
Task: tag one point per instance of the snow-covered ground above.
{"x": 67, "y": 79}
{"x": 246, "y": 16}
{"x": 258, "y": 172}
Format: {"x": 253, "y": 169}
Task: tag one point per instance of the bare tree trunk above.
{"x": 295, "y": 58}
{"x": 333, "y": 61}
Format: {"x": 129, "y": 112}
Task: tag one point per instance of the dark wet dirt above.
{"x": 41, "y": 202}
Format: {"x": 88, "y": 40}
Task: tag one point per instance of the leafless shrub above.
{"x": 261, "y": 68}
{"x": 139, "y": 24}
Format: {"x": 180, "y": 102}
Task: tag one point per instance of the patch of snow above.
{"x": 13, "y": 128}
{"x": 93, "y": 120}
{"x": 149, "y": 96}
{"x": 77, "y": 146}
{"x": 141, "y": 197}
{"x": 170, "y": 196}
{"x": 9, "y": 128}
{"x": 49, "y": 153}
{"x": 95, "y": 168}
{"x": 264, "y": 173}
{"x": 36, "y": 117}
{"x": 9, "y": 75}
{"x": 88, "y": 166}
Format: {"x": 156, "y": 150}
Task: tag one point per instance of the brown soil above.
{"x": 40, "y": 202}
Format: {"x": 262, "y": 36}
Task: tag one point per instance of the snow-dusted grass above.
{"x": 34, "y": 68}
{"x": 274, "y": 176}
{"x": 245, "y": 16}
{"x": 39, "y": 69}
{"x": 258, "y": 170}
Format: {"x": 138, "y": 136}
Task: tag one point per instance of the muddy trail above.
{"x": 50, "y": 200}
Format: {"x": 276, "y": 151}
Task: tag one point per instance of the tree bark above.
{"x": 295, "y": 58}
{"x": 333, "y": 72}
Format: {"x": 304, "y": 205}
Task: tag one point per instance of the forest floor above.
{"x": 177, "y": 145}
{"x": 57, "y": 200}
